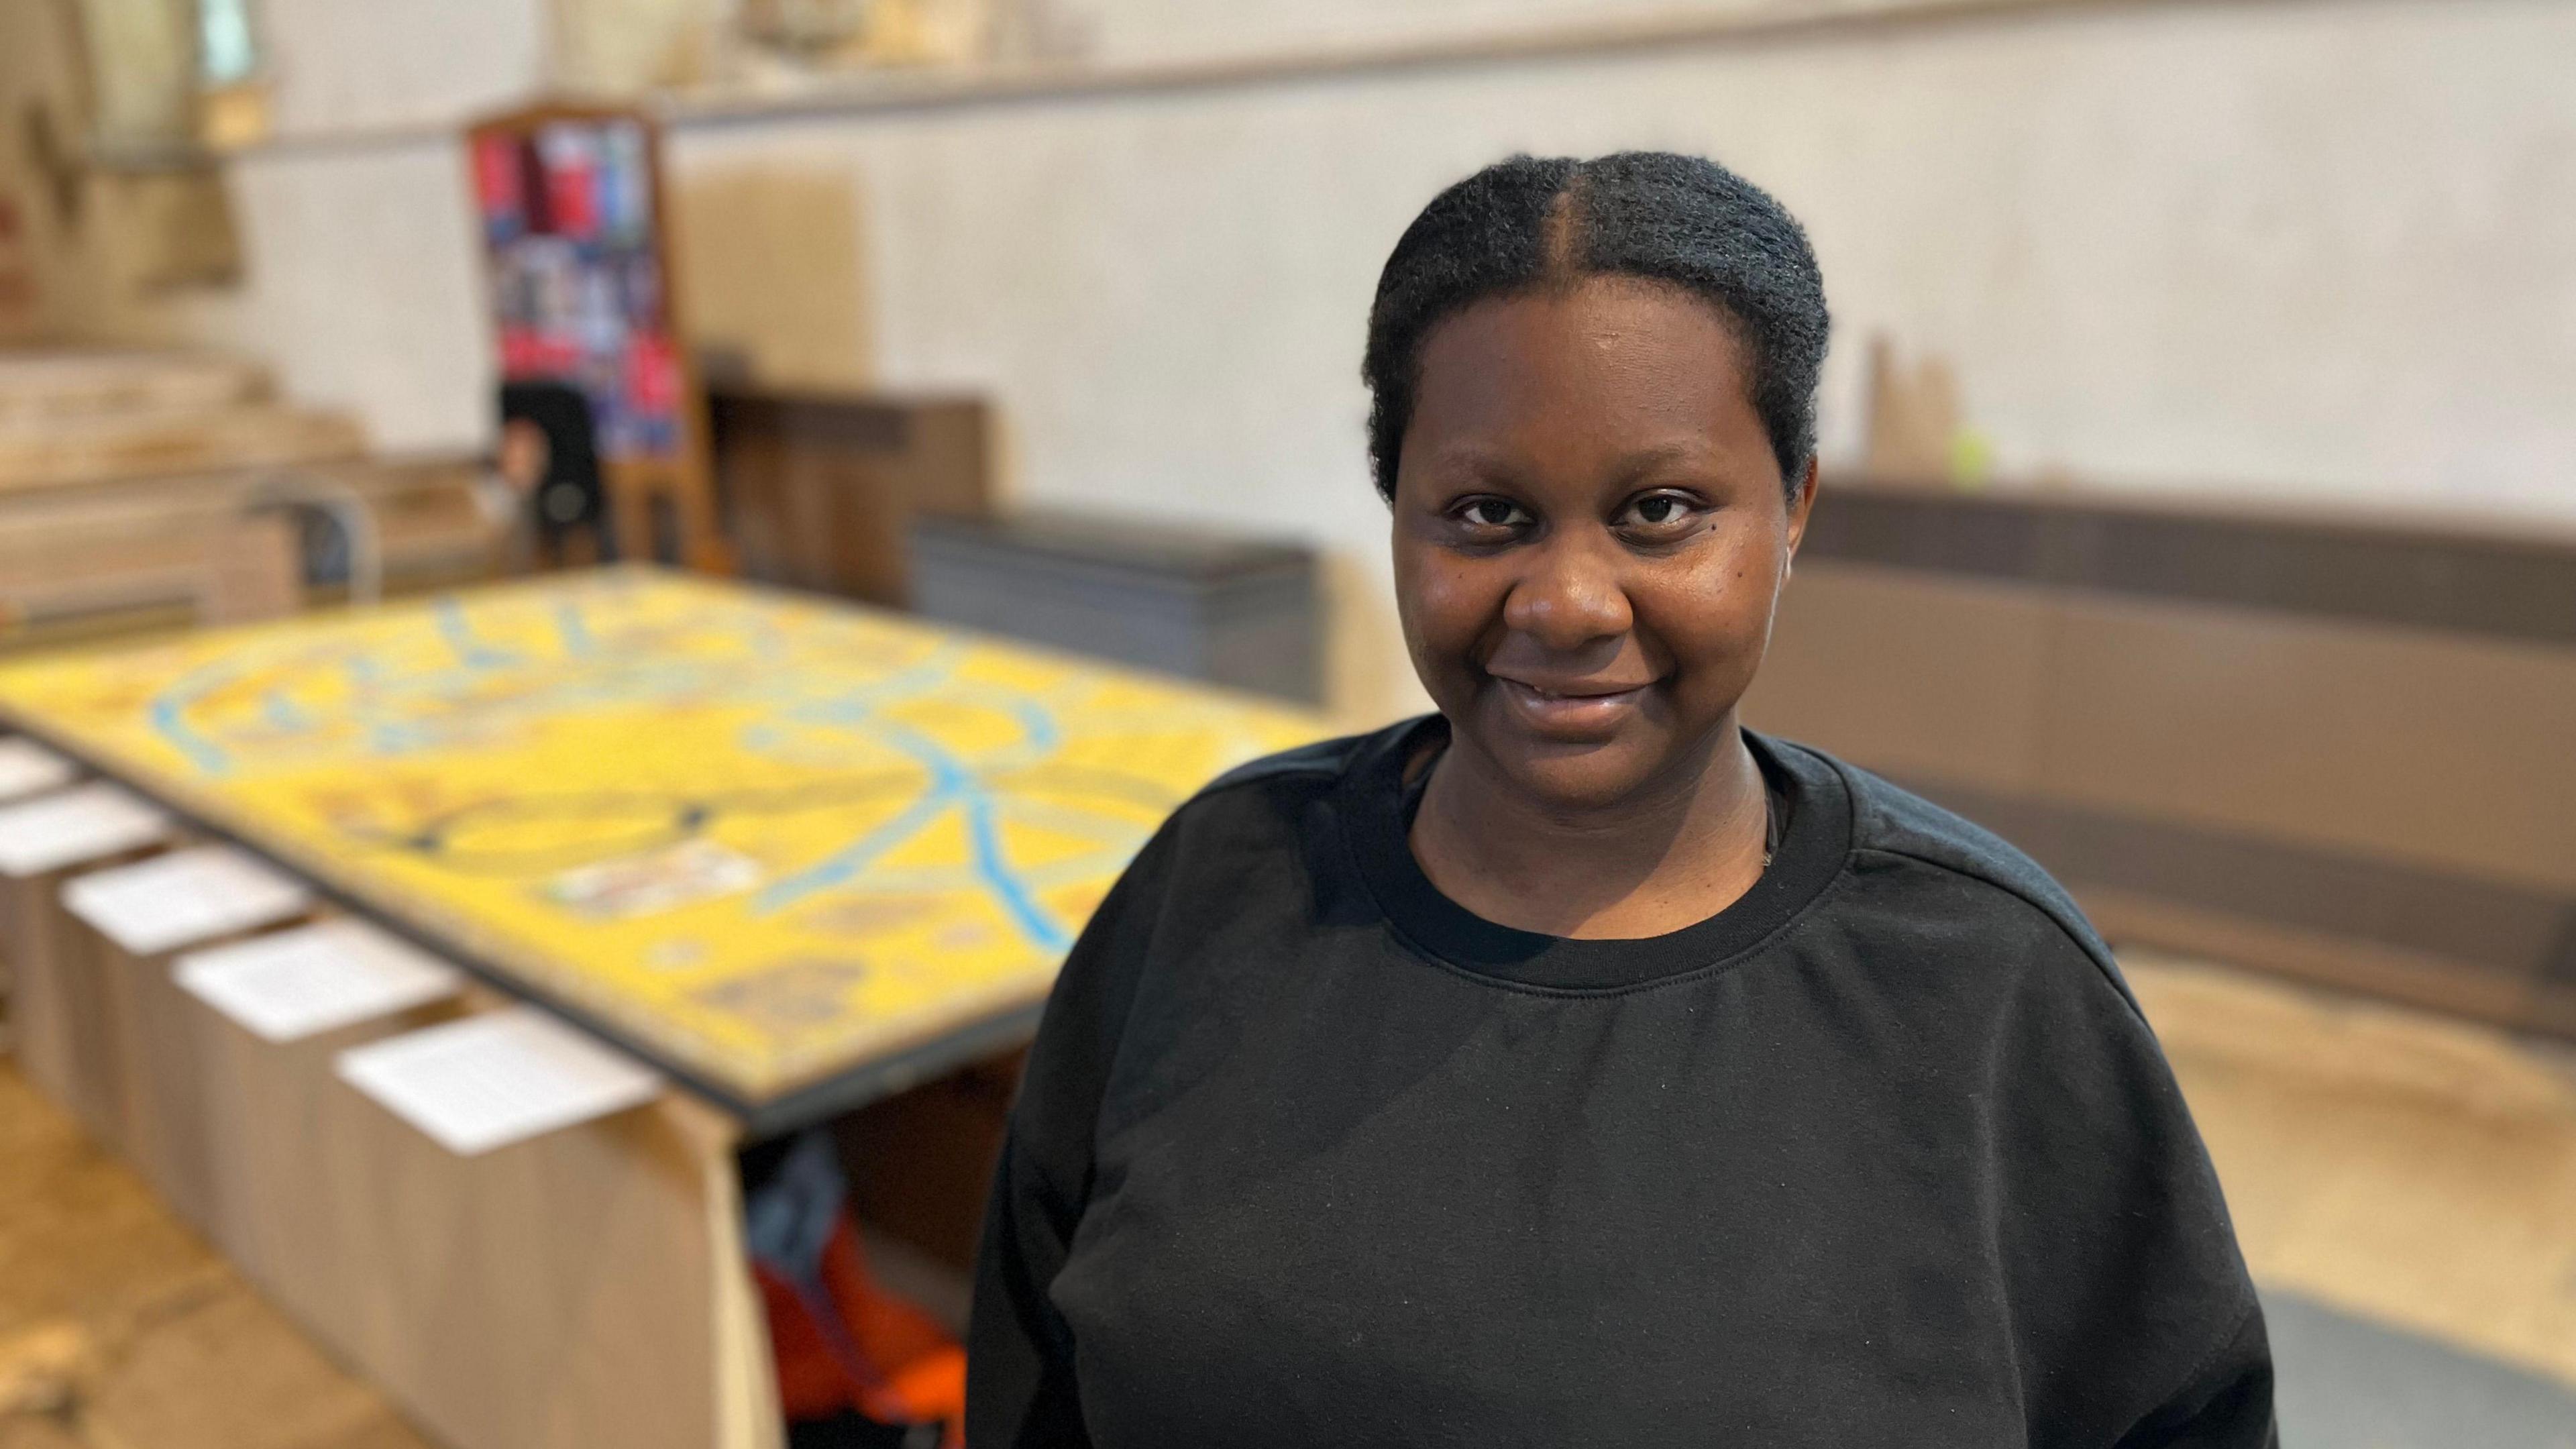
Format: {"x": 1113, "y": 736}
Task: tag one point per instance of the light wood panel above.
{"x": 584, "y": 1287}
{"x": 2211, "y": 759}
{"x": 66, "y": 452}
{"x": 2437, "y": 750}
{"x": 160, "y": 1130}
{"x": 62, "y": 1007}
{"x": 555, "y": 1294}
{"x": 45, "y": 388}
{"x": 818, "y": 488}
{"x": 120, "y": 1330}
{"x": 41, "y": 1013}
{"x": 168, "y": 1081}
{"x": 2445, "y": 751}
{"x": 1910, "y": 673}
{"x": 2415, "y": 977}
{"x": 132, "y": 554}
{"x": 264, "y": 1111}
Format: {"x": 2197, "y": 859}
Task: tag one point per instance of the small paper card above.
{"x": 76, "y": 825}
{"x": 490, "y": 1081}
{"x": 28, "y": 768}
{"x": 188, "y": 895}
{"x": 304, "y": 982}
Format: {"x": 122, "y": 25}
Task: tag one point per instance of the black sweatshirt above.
{"x": 1883, "y": 1154}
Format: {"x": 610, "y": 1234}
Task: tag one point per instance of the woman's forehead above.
{"x": 1649, "y": 365}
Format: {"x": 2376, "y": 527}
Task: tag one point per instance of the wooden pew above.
{"x": 2334, "y": 744}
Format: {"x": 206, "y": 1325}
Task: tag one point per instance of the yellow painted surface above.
{"x": 766, "y": 836}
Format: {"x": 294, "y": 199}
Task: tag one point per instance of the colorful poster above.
{"x": 498, "y": 187}
{"x": 576, "y": 274}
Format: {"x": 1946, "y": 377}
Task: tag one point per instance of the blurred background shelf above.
{"x": 143, "y": 490}
{"x": 1194, "y": 603}
{"x": 2334, "y": 743}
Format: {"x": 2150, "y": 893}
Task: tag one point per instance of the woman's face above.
{"x": 1590, "y": 533}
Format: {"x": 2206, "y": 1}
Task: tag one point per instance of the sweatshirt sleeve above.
{"x": 2227, "y": 1405}
{"x": 1020, "y": 1389}
{"x": 2137, "y": 1320}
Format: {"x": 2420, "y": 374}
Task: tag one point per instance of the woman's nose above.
{"x": 1569, "y": 597}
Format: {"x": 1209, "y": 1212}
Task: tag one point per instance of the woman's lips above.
{"x": 1572, "y": 707}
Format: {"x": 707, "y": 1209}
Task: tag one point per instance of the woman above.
{"x": 1572, "y": 1066}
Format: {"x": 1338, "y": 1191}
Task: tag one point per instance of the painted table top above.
{"x": 760, "y": 838}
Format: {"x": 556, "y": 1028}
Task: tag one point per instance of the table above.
{"x": 793, "y": 853}
{"x": 766, "y": 841}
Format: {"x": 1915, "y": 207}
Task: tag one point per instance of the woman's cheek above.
{"x": 1450, "y": 606}
{"x": 1711, "y": 622}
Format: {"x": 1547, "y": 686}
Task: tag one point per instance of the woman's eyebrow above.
{"x": 1486, "y": 463}
{"x": 1638, "y": 463}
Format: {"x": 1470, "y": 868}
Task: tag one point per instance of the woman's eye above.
{"x": 1660, "y": 510}
{"x": 1493, "y": 513}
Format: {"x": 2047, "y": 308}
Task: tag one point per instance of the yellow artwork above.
{"x": 765, "y": 837}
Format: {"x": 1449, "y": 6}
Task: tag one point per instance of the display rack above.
{"x": 576, "y": 244}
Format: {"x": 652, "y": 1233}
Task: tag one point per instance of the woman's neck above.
{"x": 1673, "y": 854}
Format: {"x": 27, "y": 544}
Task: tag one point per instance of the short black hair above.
{"x": 1533, "y": 222}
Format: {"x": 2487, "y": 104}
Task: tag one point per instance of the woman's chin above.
{"x": 1579, "y": 775}
{"x": 1581, "y": 761}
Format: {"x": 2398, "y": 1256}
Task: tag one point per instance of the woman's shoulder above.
{"x": 1247, "y": 818}
{"x": 1317, "y": 765}
{"x": 1916, "y": 845}
{"x": 1268, "y": 798}
{"x": 1310, "y": 768}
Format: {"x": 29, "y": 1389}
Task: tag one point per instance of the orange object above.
{"x": 842, "y": 1343}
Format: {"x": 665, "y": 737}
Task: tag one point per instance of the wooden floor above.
{"x": 2397, "y": 1167}
{"x": 120, "y": 1330}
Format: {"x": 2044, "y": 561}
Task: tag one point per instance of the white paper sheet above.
{"x": 28, "y": 768}
{"x": 490, "y": 1081}
{"x": 186, "y": 896}
{"x": 76, "y": 825}
{"x": 314, "y": 979}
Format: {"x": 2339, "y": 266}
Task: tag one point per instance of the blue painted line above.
{"x": 843, "y": 864}
{"x": 932, "y": 668}
{"x": 169, "y": 717}
{"x": 1041, "y": 735}
{"x": 573, "y": 629}
{"x": 947, "y": 781}
{"x": 459, "y": 633}
{"x": 991, "y": 865}
{"x": 951, "y": 785}
{"x": 763, "y": 637}
{"x": 400, "y": 739}
{"x": 1033, "y": 920}
{"x": 169, "y": 722}
{"x": 283, "y": 713}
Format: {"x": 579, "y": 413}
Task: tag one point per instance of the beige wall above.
{"x": 1121, "y": 30}
{"x": 361, "y": 65}
{"x": 37, "y": 77}
{"x": 2300, "y": 248}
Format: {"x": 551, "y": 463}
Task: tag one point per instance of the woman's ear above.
{"x": 1802, "y": 502}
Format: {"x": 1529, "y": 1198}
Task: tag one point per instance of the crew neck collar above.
{"x": 1808, "y": 856}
